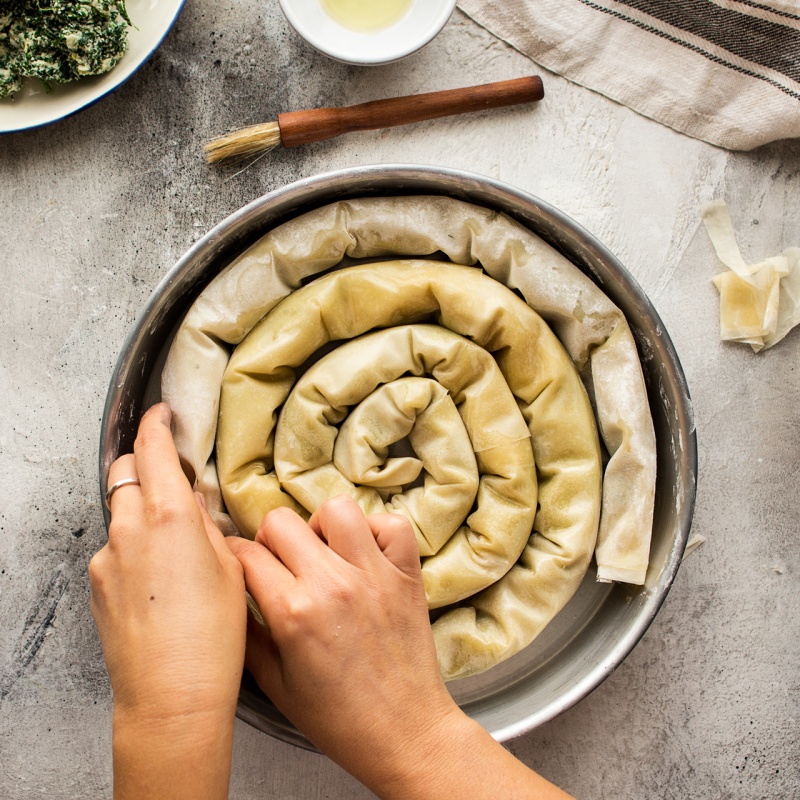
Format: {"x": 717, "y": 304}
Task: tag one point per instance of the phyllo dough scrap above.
{"x": 759, "y": 303}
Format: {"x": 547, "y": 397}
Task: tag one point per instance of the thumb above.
{"x": 214, "y": 534}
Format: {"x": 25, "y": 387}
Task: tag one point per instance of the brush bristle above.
{"x": 245, "y": 142}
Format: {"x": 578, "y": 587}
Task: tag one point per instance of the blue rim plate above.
{"x": 32, "y": 107}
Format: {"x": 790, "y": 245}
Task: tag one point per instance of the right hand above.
{"x": 349, "y": 656}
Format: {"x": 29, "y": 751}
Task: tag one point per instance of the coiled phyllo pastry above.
{"x": 449, "y": 387}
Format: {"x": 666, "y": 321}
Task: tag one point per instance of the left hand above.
{"x": 168, "y": 598}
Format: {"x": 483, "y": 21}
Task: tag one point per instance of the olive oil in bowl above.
{"x": 366, "y": 15}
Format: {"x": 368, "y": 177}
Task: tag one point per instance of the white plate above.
{"x": 32, "y": 106}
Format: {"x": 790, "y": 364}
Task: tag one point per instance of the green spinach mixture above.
{"x": 59, "y": 40}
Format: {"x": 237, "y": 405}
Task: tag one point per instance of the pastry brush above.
{"x": 316, "y": 124}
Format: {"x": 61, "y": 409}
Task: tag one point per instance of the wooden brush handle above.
{"x": 316, "y": 124}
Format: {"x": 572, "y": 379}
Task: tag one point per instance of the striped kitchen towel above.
{"x": 726, "y": 71}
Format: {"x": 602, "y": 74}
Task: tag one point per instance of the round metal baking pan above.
{"x": 597, "y": 629}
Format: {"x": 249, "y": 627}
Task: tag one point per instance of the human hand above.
{"x": 349, "y": 655}
{"x": 169, "y": 603}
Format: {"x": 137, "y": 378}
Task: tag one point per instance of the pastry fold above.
{"x": 463, "y": 551}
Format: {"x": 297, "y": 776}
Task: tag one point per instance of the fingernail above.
{"x": 163, "y": 412}
{"x": 201, "y": 500}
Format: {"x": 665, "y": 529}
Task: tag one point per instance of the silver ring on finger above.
{"x": 118, "y": 485}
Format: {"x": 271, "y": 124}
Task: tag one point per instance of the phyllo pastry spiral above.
{"x": 304, "y": 390}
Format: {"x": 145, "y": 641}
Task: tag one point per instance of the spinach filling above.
{"x": 59, "y": 40}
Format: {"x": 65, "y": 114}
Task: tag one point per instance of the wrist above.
{"x": 172, "y": 725}
{"x": 171, "y": 756}
{"x": 420, "y": 763}
{"x": 456, "y": 757}
{"x": 185, "y": 701}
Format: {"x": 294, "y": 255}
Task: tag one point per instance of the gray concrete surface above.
{"x": 94, "y": 210}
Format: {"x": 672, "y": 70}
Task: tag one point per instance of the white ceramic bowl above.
{"x": 418, "y": 25}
